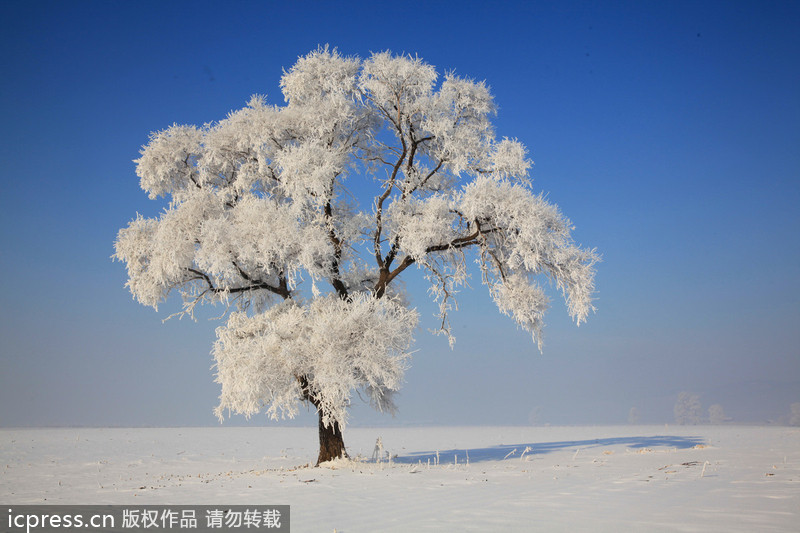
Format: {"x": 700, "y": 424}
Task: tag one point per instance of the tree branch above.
{"x": 386, "y": 276}
{"x": 281, "y": 290}
{"x": 381, "y": 199}
{"x": 338, "y": 285}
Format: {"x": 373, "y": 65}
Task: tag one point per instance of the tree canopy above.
{"x": 267, "y": 216}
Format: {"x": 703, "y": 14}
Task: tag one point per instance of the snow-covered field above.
{"x": 634, "y": 478}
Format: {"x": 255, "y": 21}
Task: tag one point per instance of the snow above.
{"x": 632, "y": 478}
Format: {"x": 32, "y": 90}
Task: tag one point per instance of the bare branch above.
{"x": 341, "y": 288}
{"x": 280, "y": 290}
{"x": 379, "y": 205}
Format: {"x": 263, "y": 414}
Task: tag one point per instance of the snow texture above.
{"x": 632, "y": 478}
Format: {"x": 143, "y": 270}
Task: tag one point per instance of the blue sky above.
{"x": 668, "y": 132}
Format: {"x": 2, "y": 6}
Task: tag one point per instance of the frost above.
{"x": 319, "y": 352}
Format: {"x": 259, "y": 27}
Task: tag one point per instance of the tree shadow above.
{"x": 502, "y": 451}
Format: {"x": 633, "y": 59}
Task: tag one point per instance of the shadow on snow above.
{"x": 502, "y": 451}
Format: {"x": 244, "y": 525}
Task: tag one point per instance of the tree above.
{"x": 716, "y": 414}
{"x": 688, "y": 409}
{"x": 300, "y": 218}
{"x": 794, "y": 414}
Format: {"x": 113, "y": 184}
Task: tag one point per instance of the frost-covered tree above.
{"x": 794, "y": 414}
{"x": 300, "y": 218}
{"x": 716, "y": 414}
{"x": 688, "y": 409}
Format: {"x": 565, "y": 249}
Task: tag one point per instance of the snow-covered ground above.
{"x": 633, "y": 478}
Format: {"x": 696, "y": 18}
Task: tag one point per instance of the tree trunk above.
{"x": 331, "y": 444}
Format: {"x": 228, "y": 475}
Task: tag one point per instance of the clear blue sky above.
{"x": 669, "y": 133}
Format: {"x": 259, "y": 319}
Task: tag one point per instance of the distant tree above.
{"x": 794, "y": 414}
{"x": 633, "y": 416}
{"x": 688, "y": 409}
{"x": 300, "y": 219}
{"x": 716, "y": 415}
